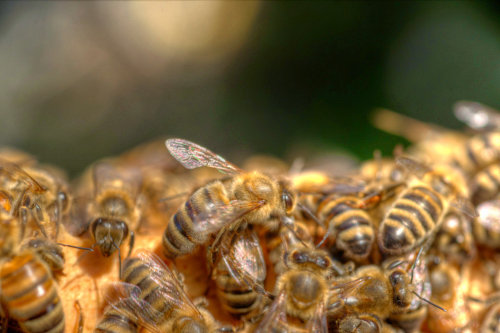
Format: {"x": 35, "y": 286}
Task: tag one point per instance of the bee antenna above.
{"x": 119, "y": 260}
{"x": 289, "y": 227}
{"x": 311, "y": 214}
{"x": 91, "y": 249}
{"x": 325, "y": 237}
{"x": 429, "y": 302}
{"x": 171, "y": 197}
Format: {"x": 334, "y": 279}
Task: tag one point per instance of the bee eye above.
{"x": 63, "y": 198}
{"x": 299, "y": 257}
{"x": 288, "y": 200}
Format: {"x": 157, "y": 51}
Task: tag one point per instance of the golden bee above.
{"x": 302, "y": 292}
{"x": 417, "y": 213}
{"x": 155, "y": 299}
{"x": 29, "y": 294}
{"x": 37, "y": 195}
{"x": 243, "y": 197}
{"x": 381, "y": 293}
{"x": 113, "y": 210}
{"x": 239, "y": 274}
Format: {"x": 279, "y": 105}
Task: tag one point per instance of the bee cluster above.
{"x": 407, "y": 243}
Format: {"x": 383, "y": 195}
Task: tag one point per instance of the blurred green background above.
{"x": 83, "y": 80}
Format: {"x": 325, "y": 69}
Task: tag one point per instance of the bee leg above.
{"x": 36, "y": 212}
{"x": 201, "y": 302}
{"x": 131, "y": 243}
{"x": 79, "y": 324}
{"x": 24, "y": 220}
{"x": 119, "y": 260}
{"x": 16, "y": 205}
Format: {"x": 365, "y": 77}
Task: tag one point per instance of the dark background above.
{"x": 81, "y": 81}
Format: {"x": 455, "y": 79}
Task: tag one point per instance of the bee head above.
{"x": 402, "y": 295}
{"x": 108, "y": 234}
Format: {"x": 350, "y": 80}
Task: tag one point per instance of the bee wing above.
{"x": 107, "y": 174}
{"x": 192, "y": 156}
{"x": 244, "y": 260}
{"x": 275, "y": 316}
{"x": 125, "y": 299}
{"x": 13, "y": 169}
{"x": 318, "y": 322}
{"x": 215, "y": 217}
{"x": 412, "y": 165}
{"x": 247, "y": 256}
{"x": 465, "y": 206}
{"x": 171, "y": 289}
{"x": 476, "y": 115}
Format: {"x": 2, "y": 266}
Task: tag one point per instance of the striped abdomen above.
{"x": 29, "y": 294}
{"x": 179, "y": 237}
{"x": 115, "y": 320}
{"x": 136, "y": 272}
{"x": 413, "y": 217}
{"x": 486, "y": 184}
{"x": 352, "y": 226}
{"x": 246, "y": 259}
{"x": 479, "y": 152}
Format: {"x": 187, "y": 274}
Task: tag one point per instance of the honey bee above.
{"x": 222, "y": 205}
{"x": 379, "y": 292}
{"x": 286, "y": 237}
{"x": 29, "y": 293}
{"x": 455, "y": 240}
{"x": 431, "y": 143}
{"x": 36, "y": 193}
{"x": 155, "y": 299}
{"x": 48, "y": 251}
{"x": 417, "y": 213}
{"x": 114, "y": 210}
{"x": 239, "y": 274}
{"x": 302, "y": 291}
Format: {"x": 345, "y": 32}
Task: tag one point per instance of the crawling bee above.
{"x": 153, "y": 297}
{"x": 250, "y": 197}
{"x": 302, "y": 290}
{"x": 35, "y": 193}
{"x": 113, "y": 210}
{"x": 418, "y": 212}
{"x": 379, "y": 293}
{"x": 239, "y": 274}
{"x": 29, "y": 294}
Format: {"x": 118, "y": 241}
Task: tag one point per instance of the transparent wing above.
{"x": 170, "y": 289}
{"x": 215, "y": 217}
{"x": 244, "y": 261}
{"x": 192, "y": 156}
{"x": 14, "y": 170}
{"x": 476, "y": 115}
{"x": 318, "y": 321}
{"x": 108, "y": 175}
{"x": 465, "y": 206}
{"x": 412, "y": 165}
{"x": 124, "y": 299}
{"x": 275, "y": 316}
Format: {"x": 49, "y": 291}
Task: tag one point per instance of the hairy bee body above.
{"x": 115, "y": 321}
{"x": 29, "y": 294}
{"x": 414, "y": 216}
{"x": 478, "y": 152}
{"x": 48, "y": 251}
{"x": 352, "y": 226}
{"x": 237, "y": 297}
{"x": 179, "y": 237}
{"x": 486, "y": 184}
